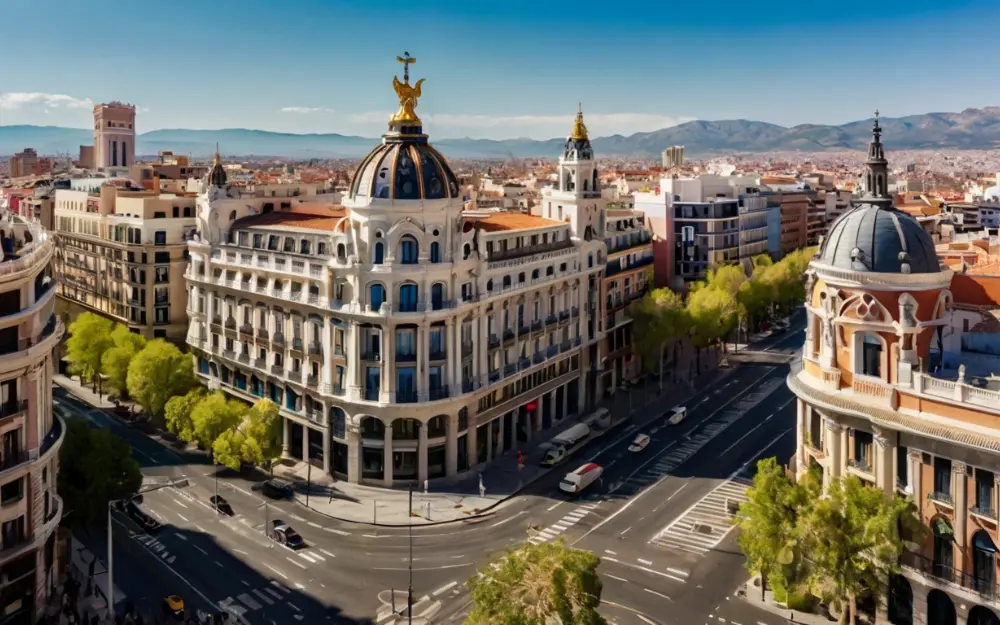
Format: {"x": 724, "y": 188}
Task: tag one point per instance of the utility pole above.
{"x": 216, "y": 467}
{"x": 409, "y": 591}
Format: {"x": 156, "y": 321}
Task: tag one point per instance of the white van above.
{"x": 677, "y": 414}
{"x": 576, "y": 481}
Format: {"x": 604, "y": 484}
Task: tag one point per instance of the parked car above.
{"x": 640, "y": 443}
{"x": 173, "y": 605}
{"x": 139, "y": 516}
{"x": 220, "y": 504}
{"x": 576, "y": 481}
{"x": 283, "y": 534}
{"x": 677, "y": 414}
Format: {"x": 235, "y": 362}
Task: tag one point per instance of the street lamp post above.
{"x": 111, "y": 567}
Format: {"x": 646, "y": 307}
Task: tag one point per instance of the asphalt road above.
{"x": 339, "y": 576}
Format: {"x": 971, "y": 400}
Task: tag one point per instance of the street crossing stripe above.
{"x": 248, "y": 601}
{"x": 273, "y": 593}
{"x": 260, "y": 595}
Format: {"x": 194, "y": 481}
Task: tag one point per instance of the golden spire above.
{"x": 217, "y": 160}
{"x": 579, "y": 128}
{"x": 408, "y": 95}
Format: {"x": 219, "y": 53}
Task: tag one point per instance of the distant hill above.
{"x": 970, "y": 129}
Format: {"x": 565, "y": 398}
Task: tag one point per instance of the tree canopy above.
{"x": 841, "y": 546}
{"x": 214, "y": 415}
{"x": 538, "y": 585}
{"x": 95, "y": 467}
{"x": 157, "y": 373}
{"x": 177, "y": 413}
{"x": 90, "y": 337}
{"x": 255, "y": 440}
{"x": 117, "y": 358}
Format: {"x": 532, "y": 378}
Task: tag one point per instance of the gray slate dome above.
{"x": 405, "y": 167}
{"x": 874, "y": 238}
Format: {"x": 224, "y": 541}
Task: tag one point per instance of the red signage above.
{"x": 531, "y": 406}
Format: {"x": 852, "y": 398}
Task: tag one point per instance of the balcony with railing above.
{"x": 371, "y": 393}
{"x": 406, "y": 356}
{"x": 371, "y": 355}
{"x": 406, "y": 397}
{"x": 466, "y": 348}
{"x": 984, "y": 586}
{"x": 438, "y": 392}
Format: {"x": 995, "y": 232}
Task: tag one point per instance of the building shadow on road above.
{"x": 230, "y": 584}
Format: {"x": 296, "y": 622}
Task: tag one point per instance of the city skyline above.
{"x": 500, "y": 73}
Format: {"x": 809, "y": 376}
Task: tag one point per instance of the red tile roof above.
{"x": 310, "y": 216}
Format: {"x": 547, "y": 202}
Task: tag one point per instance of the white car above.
{"x": 678, "y": 414}
{"x": 639, "y": 443}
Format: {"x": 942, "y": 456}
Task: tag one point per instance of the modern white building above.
{"x": 403, "y": 337}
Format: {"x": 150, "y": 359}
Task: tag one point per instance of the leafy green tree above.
{"x": 852, "y": 543}
{"x": 768, "y": 521}
{"x": 538, "y": 585}
{"x": 95, "y": 467}
{"x": 713, "y": 316}
{"x": 90, "y": 337}
{"x": 214, "y": 415}
{"x": 660, "y": 319}
{"x": 117, "y": 358}
{"x": 157, "y": 373}
{"x": 177, "y": 413}
{"x": 255, "y": 440}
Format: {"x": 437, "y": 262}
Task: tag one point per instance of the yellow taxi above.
{"x": 174, "y": 605}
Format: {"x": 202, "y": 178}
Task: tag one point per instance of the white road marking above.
{"x": 280, "y": 587}
{"x": 301, "y": 566}
{"x": 240, "y": 551}
{"x": 200, "y": 549}
{"x": 276, "y": 571}
{"x": 260, "y": 595}
{"x": 554, "y": 506}
{"x": 646, "y": 562}
{"x": 179, "y": 503}
{"x": 293, "y": 606}
{"x": 200, "y": 528}
{"x": 370, "y": 535}
{"x": 313, "y": 524}
{"x": 328, "y": 553}
{"x": 510, "y": 518}
{"x": 678, "y": 571}
{"x": 299, "y": 586}
{"x": 336, "y": 531}
{"x": 444, "y": 588}
{"x": 296, "y": 517}
{"x": 658, "y": 594}
{"x": 611, "y": 552}
{"x": 183, "y": 518}
{"x": 248, "y": 601}
{"x": 274, "y": 593}
{"x": 621, "y": 579}
{"x": 317, "y": 556}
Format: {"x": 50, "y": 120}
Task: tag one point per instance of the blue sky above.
{"x": 495, "y": 69}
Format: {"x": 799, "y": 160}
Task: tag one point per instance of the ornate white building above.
{"x": 402, "y": 337}
{"x": 30, "y": 433}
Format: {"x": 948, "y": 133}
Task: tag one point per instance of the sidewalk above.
{"x": 449, "y": 500}
{"x": 753, "y": 597}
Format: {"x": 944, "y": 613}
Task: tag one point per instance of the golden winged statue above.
{"x": 408, "y": 94}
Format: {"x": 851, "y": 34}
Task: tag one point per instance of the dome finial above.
{"x": 217, "y": 160}
{"x": 579, "y": 128}
{"x": 408, "y": 95}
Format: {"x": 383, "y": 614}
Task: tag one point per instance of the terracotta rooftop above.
{"x": 976, "y": 290}
{"x": 309, "y": 216}
{"x": 498, "y": 222}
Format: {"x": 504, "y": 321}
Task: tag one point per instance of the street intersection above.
{"x": 659, "y": 519}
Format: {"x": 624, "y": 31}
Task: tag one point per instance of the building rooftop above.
{"x": 498, "y": 222}
{"x": 309, "y": 216}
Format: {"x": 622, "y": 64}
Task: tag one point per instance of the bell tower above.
{"x": 576, "y": 195}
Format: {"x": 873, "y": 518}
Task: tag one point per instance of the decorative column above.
{"x": 451, "y": 446}
{"x": 421, "y": 453}
{"x": 387, "y": 457}
{"x": 916, "y": 477}
{"x": 470, "y": 443}
{"x": 423, "y": 360}
{"x": 959, "y": 488}
{"x": 354, "y": 369}
{"x": 483, "y": 347}
{"x": 306, "y": 432}
{"x": 326, "y": 446}
{"x": 885, "y": 452}
{"x": 835, "y": 451}
{"x": 452, "y": 347}
{"x": 286, "y": 437}
{"x": 326, "y": 345}
{"x": 354, "y": 453}
{"x": 388, "y": 390}
{"x": 801, "y": 414}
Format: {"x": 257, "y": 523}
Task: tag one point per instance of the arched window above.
{"x": 338, "y": 422}
{"x": 466, "y": 251}
{"x": 984, "y": 566}
{"x": 534, "y": 274}
{"x": 408, "y": 298}
{"x": 944, "y": 547}
{"x": 437, "y": 296}
{"x": 304, "y": 247}
{"x": 341, "y": 251}
{"x": 232, "y": 216}
{"x": 376, "y": 296}
{"x": 435, "y": 252}
{"x": 408, "y": 250}
{"x": 379, "y": 256}
{"x": 506, "y": 281}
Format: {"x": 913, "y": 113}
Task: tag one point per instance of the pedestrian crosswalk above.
{"x": 688, "y": 447}
{"x": 156, "y": 547}
{"x": 707, "y": 522}
{"x": 273, "y": 594}
{"x": 553, "y": 531}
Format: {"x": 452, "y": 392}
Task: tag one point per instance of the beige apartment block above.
{"x": 122, "y": 254}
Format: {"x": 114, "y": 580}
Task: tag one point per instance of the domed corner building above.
{"x": 887, "y": 394}
{"x": 404, "y": 338}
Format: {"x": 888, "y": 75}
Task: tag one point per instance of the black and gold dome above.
{"x": 217, "y": 175}
{"x": 405, "y": 166}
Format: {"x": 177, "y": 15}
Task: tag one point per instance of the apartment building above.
{"x": 122, "y": 252}
{"x": 627, "y": 277}
{"x": 169, "y": 167}
{"x": 404, "y": 338}
{"x": 895, "y": 388}
{"x": 28, "y": 163}
{"x": 30, "y": 433}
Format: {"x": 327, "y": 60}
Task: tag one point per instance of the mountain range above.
{"x": 970, "y": 129}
